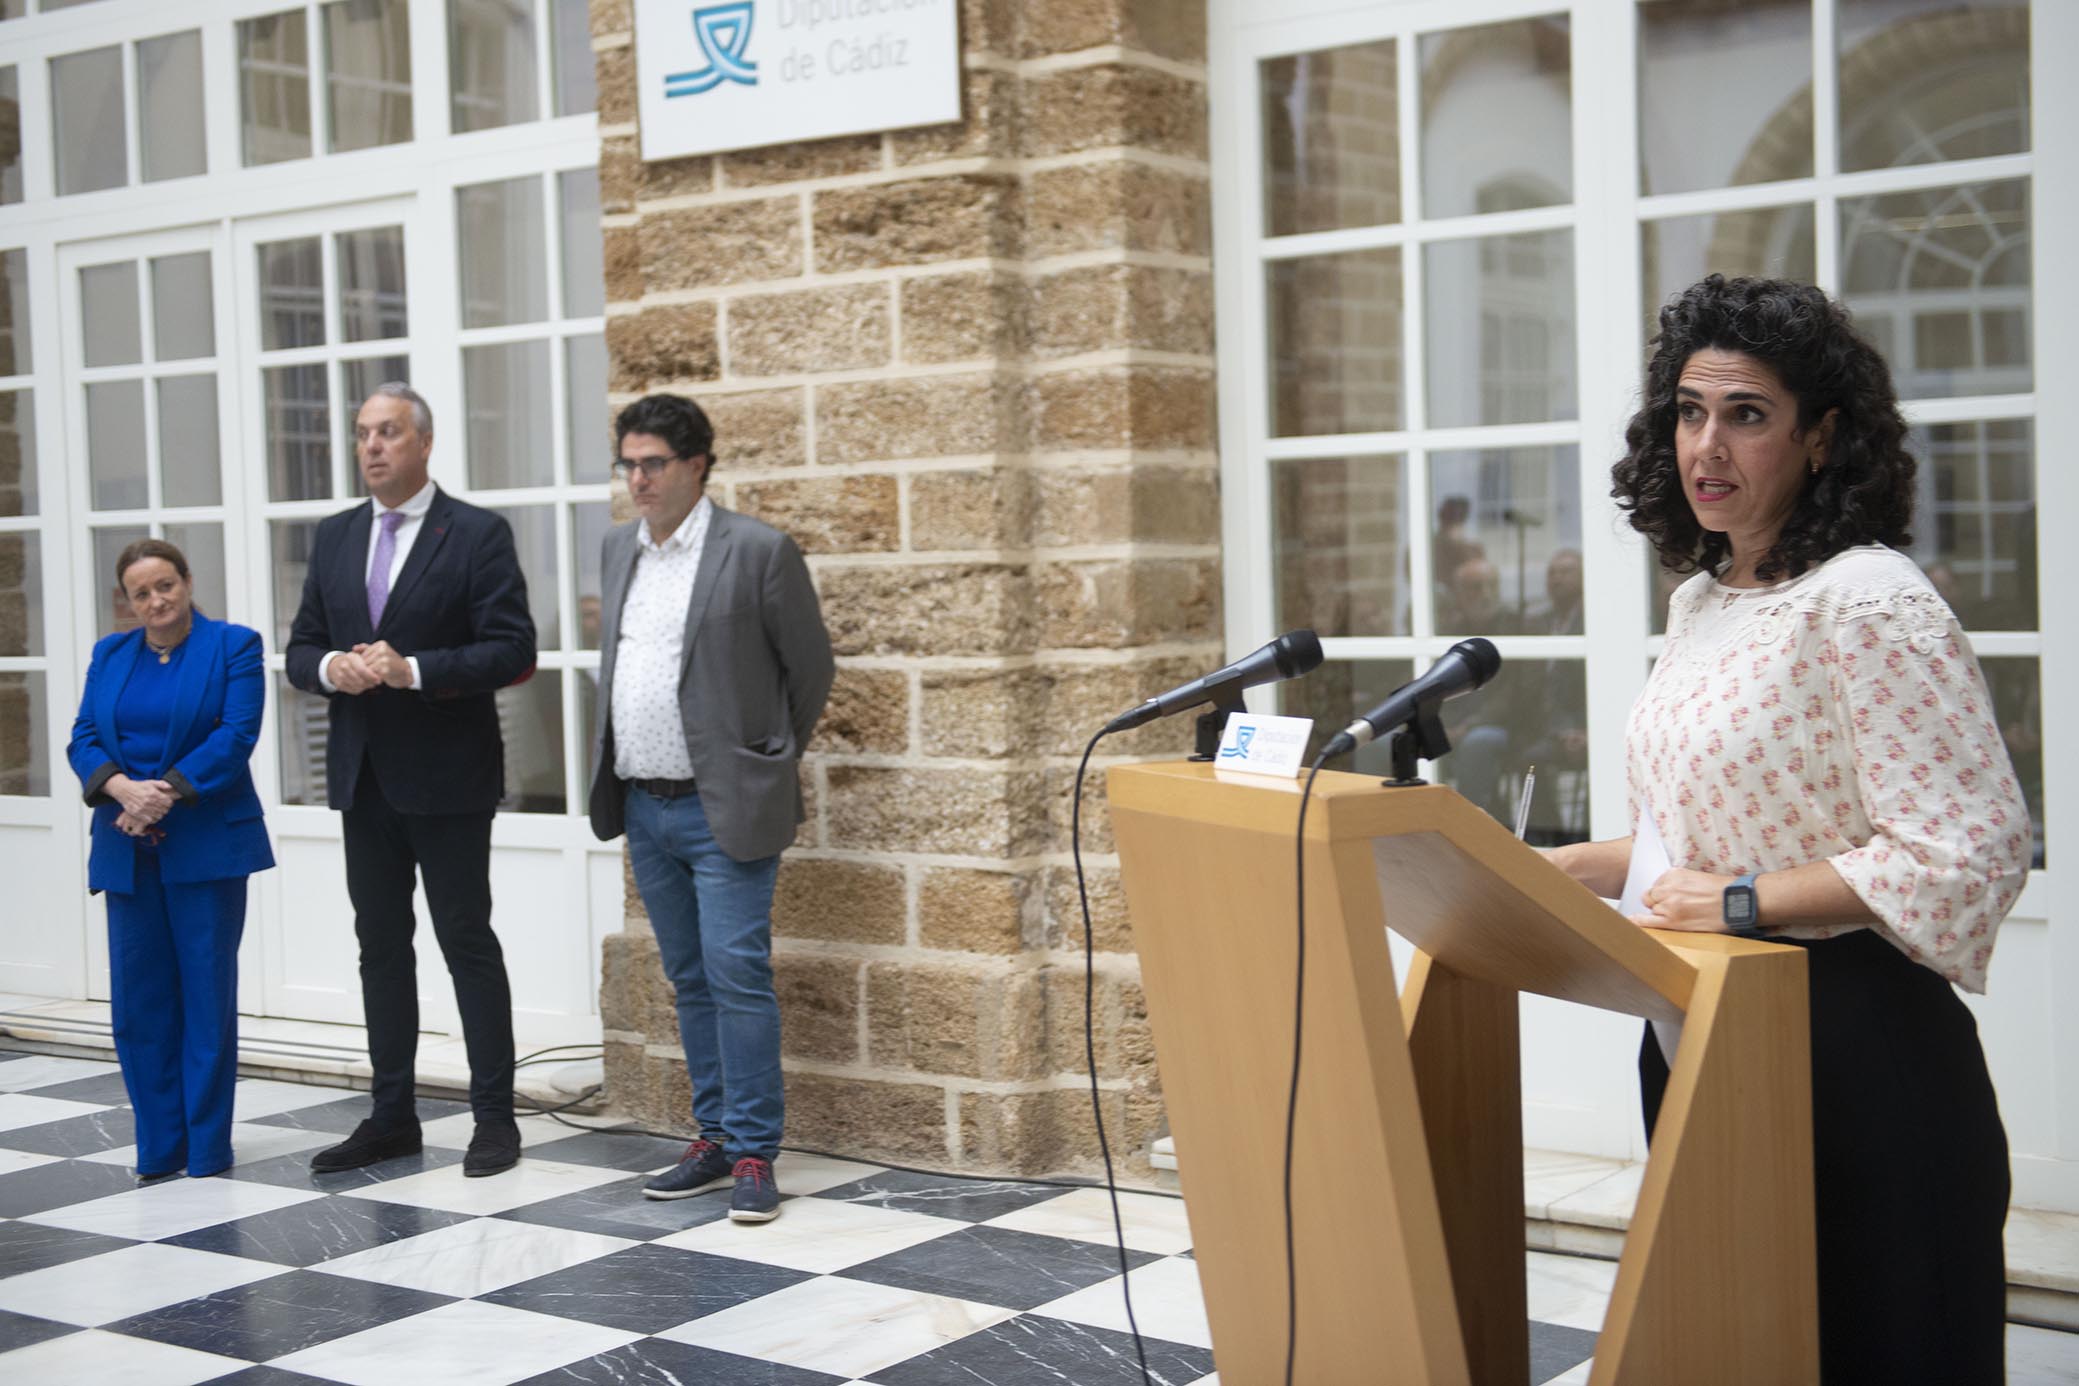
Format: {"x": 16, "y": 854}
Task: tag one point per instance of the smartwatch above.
{"x": 1742, "y": 910}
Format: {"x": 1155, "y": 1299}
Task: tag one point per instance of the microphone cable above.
{"x": 1111, "y": 1184}
{"x": 1299, "y": 994}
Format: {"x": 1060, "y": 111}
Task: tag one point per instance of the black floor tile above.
{"x": 88, "y": 1134}
{"x": 1046, "y": 1352}
{"x": 647, "y": 1289}
{"x": 105, "y": 1088}
{"x": 20, "y": 1330}
{"x": 627, "y": 1150}
{"x": 1555, "y": 1349}
{"x": 661, "y": 1362}
{"x": 29, "y": 1246}
{"x": 305, "y": 1234}
{"x": 968, "y": 1200}
{"x": 995, "y": 1265}
{"x": 264, "y": 1375}
{"x": 271, "y": 1318}
{"x": 294, "y": 1171}
{"x": 620, "y": 1210}
{"x": 38, "y": 1190}
{"x": 350, "y": 1111}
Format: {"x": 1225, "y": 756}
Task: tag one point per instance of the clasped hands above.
{"x": 144, "y": 802}
{"x": 365, "y": 666}
{"x": 1692, "y": 901}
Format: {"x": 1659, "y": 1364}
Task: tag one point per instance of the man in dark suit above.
{"x": 414, "y": 614}
{"x": 714, "y": 666}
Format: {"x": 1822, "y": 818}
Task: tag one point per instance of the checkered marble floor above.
{"x": 560, "y": 1272}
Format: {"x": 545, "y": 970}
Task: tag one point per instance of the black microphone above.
{"x": 1465, "y": 666}
{"x": 1294, "y": 653}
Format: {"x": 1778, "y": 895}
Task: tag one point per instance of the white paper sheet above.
{"x": 1649, "y": 862}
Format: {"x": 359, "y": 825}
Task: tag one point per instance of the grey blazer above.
{"x": 757, "y": 672}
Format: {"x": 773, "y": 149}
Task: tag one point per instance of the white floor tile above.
{"x": 1167, "y": 1303}
{"x": 169, "y": 1209}
{"x": 807, "y": 1174}
{"x": 102, "y": 1289}
{"x": 19, "y": 1109}
{"x": 110, "y": 1359}
{"x": 473, "y": 1258}
{"x": 1573, "y": 1291}
{"x": 250, "y": 1144}
{"x": 815, "y": 1234}
{"x": 254, "y": 1098}
{"x": 2043, "y": 1249}
{"x": 1605, "y": 1203}
{"x": 2035, "y": 1357}
{"x": 1549, "y": 1175}
{"x": 454, "y": 1132}
{"x": 844, "y": 1327}
{"x": 42, "y": 1070}
{"x": 12, "y": 1160}
{"x": 449, "y": 1189}
{"x": 1152, "y": 1222}
{"x": 468, "y": 1343}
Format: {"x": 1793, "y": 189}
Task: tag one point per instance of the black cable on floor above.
{"x": 1299, "y": 993}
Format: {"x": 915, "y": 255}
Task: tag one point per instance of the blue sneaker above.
{"x": 757, "y": 1198}
{"x": 702, "y": 1166}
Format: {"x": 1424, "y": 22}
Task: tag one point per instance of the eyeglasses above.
{"x": 651, "y": 467}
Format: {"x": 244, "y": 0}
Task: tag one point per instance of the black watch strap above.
{"x": 1743, "y": 909}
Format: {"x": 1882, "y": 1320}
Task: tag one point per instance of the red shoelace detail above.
{"x": 751, "y": 1167}
{"x": 698, "y": 1150}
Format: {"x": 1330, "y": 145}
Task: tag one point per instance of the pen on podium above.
{"x": 1530, "y": 782}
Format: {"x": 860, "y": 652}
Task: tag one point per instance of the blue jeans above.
{"x": 713, "y": 919}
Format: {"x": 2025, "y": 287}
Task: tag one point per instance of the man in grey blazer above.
{"x": 714, "y": 666}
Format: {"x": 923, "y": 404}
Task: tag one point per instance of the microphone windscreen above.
{"x": 1299, "y": 652}
{"x": 1480, "y": 653}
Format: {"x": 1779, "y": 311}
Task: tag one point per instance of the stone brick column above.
{"x": 970, "y": 369}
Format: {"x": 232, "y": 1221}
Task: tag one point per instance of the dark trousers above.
{"x": 451, "y": 854}
{"x": 1909, "y": 1172}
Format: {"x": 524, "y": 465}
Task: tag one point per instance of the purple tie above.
{"x": 379, "y": 570}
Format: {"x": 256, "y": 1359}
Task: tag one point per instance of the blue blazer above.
{"x": 216, "y": 830}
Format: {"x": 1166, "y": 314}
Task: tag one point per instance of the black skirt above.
{"x": 1909, "y": 1172}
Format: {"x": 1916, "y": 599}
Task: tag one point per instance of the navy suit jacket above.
{"x": 459, "y": 606}
{"x": 216, "y": 831}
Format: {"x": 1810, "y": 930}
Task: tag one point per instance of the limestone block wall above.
{"x": 970, "y": 369}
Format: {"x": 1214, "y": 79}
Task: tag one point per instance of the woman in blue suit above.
{"x": 166, "y": 725}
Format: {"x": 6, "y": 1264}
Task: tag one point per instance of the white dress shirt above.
{"x": 649, "y": 738}
{"x": 414, "y": 512}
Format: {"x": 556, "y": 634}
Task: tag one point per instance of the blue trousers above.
{"x": 173, "y": 977}
{"x": 713, "y": 919}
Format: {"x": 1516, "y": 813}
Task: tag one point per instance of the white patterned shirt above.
{"x": 649, "y": 737}
{"x": 1841, "y": 717}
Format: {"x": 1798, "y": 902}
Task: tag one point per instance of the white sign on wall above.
{"x": 739, "y": 74}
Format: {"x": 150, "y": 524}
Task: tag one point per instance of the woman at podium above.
{"x": 1818, "y": 752}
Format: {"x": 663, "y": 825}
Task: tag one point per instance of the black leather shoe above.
{"x": 494, "y": 1147}
{"x": 366, "y": 1146}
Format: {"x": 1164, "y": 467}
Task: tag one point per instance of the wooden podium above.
{"x": 1408, "y": 1163}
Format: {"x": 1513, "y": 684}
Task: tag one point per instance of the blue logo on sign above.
{"x": 1240, "y": 749}
{"x": 724, "y": 32}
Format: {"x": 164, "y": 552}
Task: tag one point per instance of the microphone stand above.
{"x": 1421, "y": 737}
{"x": 1211, "y": 725}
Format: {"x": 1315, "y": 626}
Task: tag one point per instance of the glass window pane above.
{"x": 299, "y": 442}
{"x": 189, "y": 447}
{"x": 1339, "y": 691}
{"x": 1335, "y": 330}
{"x": 274, "y": 87}
{"x": 112, "y": 612}
{"x": 358, "y": 380}
{"x": 1535, "y": 712}
{"x": 1331, "y": 139}
{"x": 1660, "y": 585}
{"x": 584, "y": 377}
{"x": 203, "y": 546}
{"x": 1725, "y": 93}
{"x": 87, "y": 144}
{"x": 183, "y": 307}
{"x": 108, "y": 311}
{"x": 292, "y": 295}
{"x": 301, "y": 727}
{"x": 1769, "y": 242}
{"x": 291, "y": 541}
{"x": 589, "y": 523}
{"x": 588, "y": 717}
{"x": 18, "y": 453}
{"x": 505, "y": 391}
{"x": 1940, "y": 283}
{"x": 368, "y": 72}
{"x": 1975, "y": 520}
{"x": 21, "y": 593}
{"x": 491, "y": 64}
{"x": 115, "y": 445}
{"x": 530, "y": 716}
{"x": 169, "y": 106}
{"x": 577, "y": 89}
{"x": 371, "y": 284}
{"x": 11, "y": 148}
{"x": 1506, "y": 551}
{"x": 503, "y": 252}
{"x": 2017, "y": 700}
{"x": 13, "y": 9}
{"x": 1501, "y": 329}
{"x": 24, "y": 735}
{"x": 534, "y": 538}
{"x": 1497, "y": 118}
{"x": 15, "y": 354}
{"x": 584, "y": 247}
{"x": 1922, "y": 83}
{"x": 1341, "y": 564}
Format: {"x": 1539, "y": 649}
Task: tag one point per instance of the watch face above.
{"x": 1739, "y": 905}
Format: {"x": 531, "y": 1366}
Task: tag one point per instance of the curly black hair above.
{"x": 1864, "y": 493}
{"x": 674, "y": 418}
